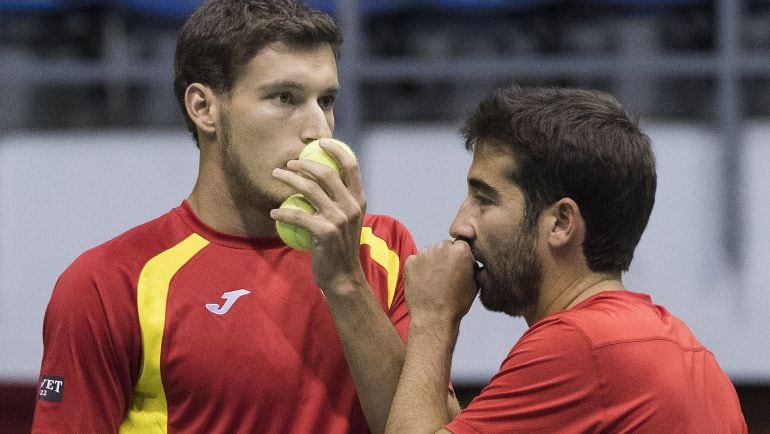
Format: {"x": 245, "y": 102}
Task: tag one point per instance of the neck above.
{"x": 215, "y": 205}
{"x": 567, "y": 291}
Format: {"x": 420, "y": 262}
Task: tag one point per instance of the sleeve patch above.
{"x": 51, "y": 388}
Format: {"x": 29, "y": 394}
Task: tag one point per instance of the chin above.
{"x": 509, "y": 303}
{"x": 494, "y": 301}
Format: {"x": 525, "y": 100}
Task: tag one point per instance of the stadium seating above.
{"x": 644, "y": 4}
{"x": 165, "y": 9}
{"x": 37, "y": 6}
{"x": 487, "y": 5}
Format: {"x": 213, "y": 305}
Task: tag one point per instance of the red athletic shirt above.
{"x": 175, "y": 327}
{"x": 613, "y": 363}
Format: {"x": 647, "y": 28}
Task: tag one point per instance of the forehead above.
{"x": 314, "y": 65}
{"x": 493, "y": 164}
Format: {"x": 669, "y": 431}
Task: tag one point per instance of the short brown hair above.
{"x": 579, "y": 144}
{"x": 222, "y": 36}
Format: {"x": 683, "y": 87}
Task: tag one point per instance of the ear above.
{"x": 202, "y": 106}
{"x": 566, "y": 225}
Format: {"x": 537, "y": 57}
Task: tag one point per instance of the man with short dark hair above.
{"x": 203, "y": 320}
{"x": 560, "y": 189}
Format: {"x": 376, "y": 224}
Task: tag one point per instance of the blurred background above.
{"x": 92, "y": 142}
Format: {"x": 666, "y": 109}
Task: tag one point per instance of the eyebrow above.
{"x": 289, "y": 84}
{"x": 483, "y": 187}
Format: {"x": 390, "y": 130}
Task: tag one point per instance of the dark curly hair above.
{"x": 579, "y": 144}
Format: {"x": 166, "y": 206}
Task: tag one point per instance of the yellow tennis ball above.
{"x": 298, "y": 237}
{"x": 295, "y": 236}
{"x": 314, "y": 152}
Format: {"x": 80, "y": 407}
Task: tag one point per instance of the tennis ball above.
{"x": 298, "y": 237}
{"x": 295, "y": 236}
{"x": 313, "y": 152}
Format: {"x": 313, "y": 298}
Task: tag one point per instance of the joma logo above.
{"x": 230, "y": 298}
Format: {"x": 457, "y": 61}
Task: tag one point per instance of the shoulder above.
{"x": 555, "y": 352}
{"x": 552, "y": 341}
{"x": 614, "y": 317}
{"x": 118, "y": 261}
{"x": 630, "y": 338}
{"x": 551, "y": 352}
{"x": 137, "y": 244}
{"x": 549, "y": 379}
{"x": 389, "y": 230}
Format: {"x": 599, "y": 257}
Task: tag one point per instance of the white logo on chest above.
{"x": 230, "y": 297}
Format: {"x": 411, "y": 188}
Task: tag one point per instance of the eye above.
{"x": 285, "y": 98}
{"x": 327, "y": 102}
{"x": 483, "y": 200}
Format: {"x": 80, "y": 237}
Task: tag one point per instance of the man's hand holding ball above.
{"x": 296, "y": 236}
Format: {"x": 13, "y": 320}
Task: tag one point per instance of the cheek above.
{"x": 258, "y": 119}
{"x": 496, "y": 226}
{"x": 504, "y": 240}
{"x": 259, "y": 141}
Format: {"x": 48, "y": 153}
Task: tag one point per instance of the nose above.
{"x": 462, "y": 225}
{"x": 317, "y": 123}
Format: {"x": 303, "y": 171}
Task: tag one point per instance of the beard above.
{"x": 514, "y": 274}
{"x": 243, "y": 189}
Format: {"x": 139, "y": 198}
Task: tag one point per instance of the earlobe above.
{"x": 567, "y": 223}
{"x": 202, "y": 107}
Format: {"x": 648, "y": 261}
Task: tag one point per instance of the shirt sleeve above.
{"x": 398, "y": 313}
{"x": 391, "y": 245}
{"x": 90, "y": 357}
{"x": 547, "y": 381}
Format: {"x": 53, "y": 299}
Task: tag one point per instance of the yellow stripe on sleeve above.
{"x": 385, "y": 257}
{"x": 149, "y": 410}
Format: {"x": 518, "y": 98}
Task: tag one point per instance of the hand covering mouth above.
{"x": 477, "y": 265}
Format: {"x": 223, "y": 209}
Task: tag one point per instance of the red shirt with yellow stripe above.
{"x": 173, "y": 326}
